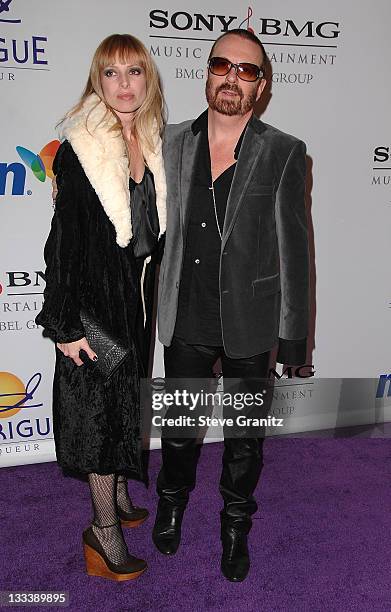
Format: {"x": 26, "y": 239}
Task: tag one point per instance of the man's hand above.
{"x": 72, "y": 349}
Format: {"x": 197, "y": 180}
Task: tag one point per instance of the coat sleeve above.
{"x": 291, "y": 224}
{"x": 60, "y": 315}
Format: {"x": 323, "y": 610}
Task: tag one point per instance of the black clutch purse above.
{"x": 110, "y": 351}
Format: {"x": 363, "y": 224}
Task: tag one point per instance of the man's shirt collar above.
{"x": 201, "y": 125}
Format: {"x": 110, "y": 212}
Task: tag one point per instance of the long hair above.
{"x": 149, "y": 118}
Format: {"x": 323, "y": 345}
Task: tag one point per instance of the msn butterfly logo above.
{"x": 42, "y": 163}
{"x": 13, "y": 175}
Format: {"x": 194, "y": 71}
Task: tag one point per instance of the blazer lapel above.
{"x": 186, "y": 171}
{"x": 250, "y": 152}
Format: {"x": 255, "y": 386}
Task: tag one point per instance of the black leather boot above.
{"x": 235, "y": 560}
{"x": 166, "y": 533}
{"x": 242, "y": 465}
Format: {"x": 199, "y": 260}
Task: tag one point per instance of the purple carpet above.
{"x": 320, "y": 541}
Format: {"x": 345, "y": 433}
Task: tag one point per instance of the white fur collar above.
{"x": 102, "y": 154}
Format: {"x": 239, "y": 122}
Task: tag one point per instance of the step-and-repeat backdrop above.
{"x": 329, "y": 86}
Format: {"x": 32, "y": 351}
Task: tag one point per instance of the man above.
{"x": 234, "y": 275}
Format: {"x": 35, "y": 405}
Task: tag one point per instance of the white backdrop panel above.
{"x": 329, "y": 88}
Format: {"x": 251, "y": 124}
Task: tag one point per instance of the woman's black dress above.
{"x": 96, "y": 426}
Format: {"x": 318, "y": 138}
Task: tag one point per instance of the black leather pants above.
{"x": 242, "y": 458}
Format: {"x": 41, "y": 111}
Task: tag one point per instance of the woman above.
{"x": 107, "y": 168}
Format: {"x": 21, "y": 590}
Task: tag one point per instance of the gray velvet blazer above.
{"x": 264, "y": 250}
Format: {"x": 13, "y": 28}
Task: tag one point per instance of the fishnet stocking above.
{"x": 106, "y": 526}
{"x": 123, "y": 499}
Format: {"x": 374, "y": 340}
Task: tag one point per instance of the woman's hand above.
{"x": 54, "y": 189}
{"x": 72, "y": 349}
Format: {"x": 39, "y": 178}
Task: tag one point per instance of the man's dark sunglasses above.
{"x": 247, "y": 72}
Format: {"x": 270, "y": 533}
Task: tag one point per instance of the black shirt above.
{"x": 198, "y": 318}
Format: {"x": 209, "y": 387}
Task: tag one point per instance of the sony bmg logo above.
{"x": 303, "y": 371}
{"x": 264, "y": 26}
{"x": 382, "y": 154}
{"x": 22, "y": 279}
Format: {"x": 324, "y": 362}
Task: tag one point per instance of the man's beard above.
{"x": 239, "y": 105}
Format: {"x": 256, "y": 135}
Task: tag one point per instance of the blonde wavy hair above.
{"x": 150, "y": 117}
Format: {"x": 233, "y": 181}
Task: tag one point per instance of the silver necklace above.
{"x": 215, "y": 209}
